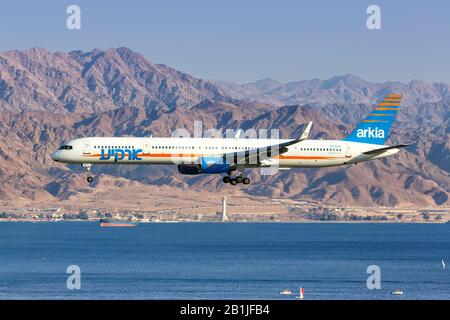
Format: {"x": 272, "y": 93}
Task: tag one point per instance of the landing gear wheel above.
{"x": 233, "y": 182}
{"x": 246, "y": 180}
{"x": 226, "y": 179}
{"x": 238, "y": 179}
{"x": 90, "y": 179}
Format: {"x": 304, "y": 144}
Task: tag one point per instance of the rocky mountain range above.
{"x": 339, "y": 89}
{"x": 47, "y": 98}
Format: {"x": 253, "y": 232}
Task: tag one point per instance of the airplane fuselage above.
{"x": 166, "y": 151}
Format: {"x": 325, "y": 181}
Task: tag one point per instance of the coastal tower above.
{"x": 224, "y": 209}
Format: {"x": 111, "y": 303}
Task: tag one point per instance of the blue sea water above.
{"x": 223, "y": 260}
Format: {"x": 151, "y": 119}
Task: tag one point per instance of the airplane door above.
{"x": 348, "y": 152}
{"x": 146, "y": 148}
{"x": 86, "y": 148}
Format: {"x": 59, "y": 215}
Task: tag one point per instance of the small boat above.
{"x": 285, "y": 292}
{"x": 116, "y": 223}
{"x": 301, "y": 294}
{"x": 442, "y": 264}
{"x": 397, "y": 292}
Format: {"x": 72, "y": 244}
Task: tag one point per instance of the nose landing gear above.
{"x": 88, "y": 166}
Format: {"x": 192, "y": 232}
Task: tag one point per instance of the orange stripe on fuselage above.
{"x": 90, "y": 155}
{"x": 386, "y": 109}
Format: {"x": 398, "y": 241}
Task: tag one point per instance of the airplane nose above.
{"x": 55, "y": 155}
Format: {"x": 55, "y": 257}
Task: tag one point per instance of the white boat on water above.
{"x": 442, "y": 264}
{"x": 397, "y": 292}
{"x": 285, "y": 292}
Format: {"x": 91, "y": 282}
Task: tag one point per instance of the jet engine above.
{"x": 190, "y": 169}
{"x": 215, "y": 164}
{"x": 208, "y": 164}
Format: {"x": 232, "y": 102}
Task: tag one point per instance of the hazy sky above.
{"x": 246, "y": 40}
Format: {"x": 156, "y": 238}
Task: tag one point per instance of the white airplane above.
{"x": 231, "y": 156}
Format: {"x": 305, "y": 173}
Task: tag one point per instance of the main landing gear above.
{"x": 88, "y": 166}
{"x": 238, "y": 179}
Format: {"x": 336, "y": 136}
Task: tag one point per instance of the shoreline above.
{"x": 230, "y": 222}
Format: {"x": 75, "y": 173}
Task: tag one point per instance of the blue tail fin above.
{"x": 375, "y": 128}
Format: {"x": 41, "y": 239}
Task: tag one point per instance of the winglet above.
{"x": 305, "y": 133}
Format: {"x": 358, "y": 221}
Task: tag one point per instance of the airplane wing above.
{"x": 381, "y": 150}
{"x": 255, "y": 156}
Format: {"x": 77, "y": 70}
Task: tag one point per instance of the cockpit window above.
{"x": 65, "y": 147}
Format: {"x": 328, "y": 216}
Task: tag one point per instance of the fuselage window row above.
{"x": 66, "y": 147}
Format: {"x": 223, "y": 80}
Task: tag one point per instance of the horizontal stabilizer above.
{"x": 381, "y": 150}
